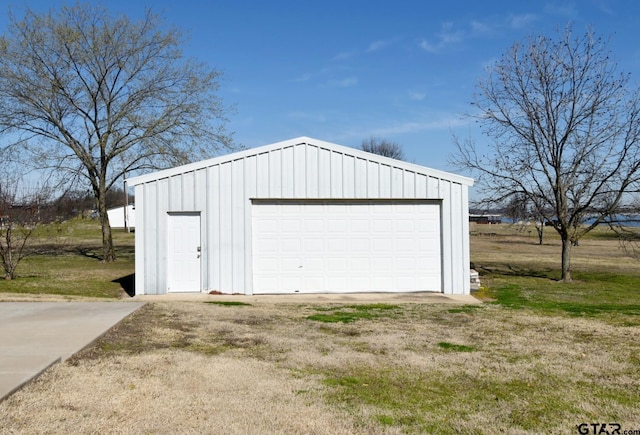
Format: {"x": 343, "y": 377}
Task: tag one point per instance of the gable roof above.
{"x": 353, "y": 152}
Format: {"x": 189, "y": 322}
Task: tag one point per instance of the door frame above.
{"x": 170, "y": 276}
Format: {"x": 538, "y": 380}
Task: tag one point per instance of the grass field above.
{"x": 69, "y": 265}
{"x": 539, "y": 356}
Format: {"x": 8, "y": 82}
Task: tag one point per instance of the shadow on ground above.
{"x": 128, "y": 284}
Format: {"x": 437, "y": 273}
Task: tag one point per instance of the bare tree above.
{"x": 100, "y": 96}
{"x": 383, "y": 147}
{"x": 565, "y": 129}
{"x": 19, "y": 217}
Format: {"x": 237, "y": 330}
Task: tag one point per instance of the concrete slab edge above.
{"x": 59, "y": 359}
{"x": 31, "y": 379}
{"x": 105, "y": 332}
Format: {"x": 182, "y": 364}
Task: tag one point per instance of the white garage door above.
{"x": 339, "y": 246}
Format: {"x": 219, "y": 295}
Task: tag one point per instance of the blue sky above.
{"x": 342, "y": 71}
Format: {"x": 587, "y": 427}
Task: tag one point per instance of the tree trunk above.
{"x": 566, "y": 260}
{"x": 540, "y": 230}
{"x": 108, "y": 251}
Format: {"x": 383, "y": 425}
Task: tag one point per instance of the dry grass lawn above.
{"x": 194, "y": 367}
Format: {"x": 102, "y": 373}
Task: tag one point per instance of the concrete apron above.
{"x": 36, "y": 335}
{"x": 327, "y": 298}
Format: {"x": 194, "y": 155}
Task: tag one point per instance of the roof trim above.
{"x": 166, "y": 173}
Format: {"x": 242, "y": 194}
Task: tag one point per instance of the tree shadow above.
{"x": 86, "y": 251}
{"x": 513, "y": 270}
{"x": 128, "y": 284}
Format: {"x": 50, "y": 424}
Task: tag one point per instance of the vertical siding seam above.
{"x": 282, "y": 183}
{"x": 305, "y": 186}
{"x": 342, "y": 175}
{"x": 219, "y": 231}
{"x": 330, "y": 174}
{"x": 379, "y": 182}
{"x": 157, "y": 245}
{"x": 195, "y": 196}
{"x": 244, "y": 223}
{"x": 204, "y": 242}
{"x": 318, "y": 183}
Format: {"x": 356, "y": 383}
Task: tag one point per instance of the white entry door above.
{"x": 184, "y": 256}
{"x": 346, "y": 246}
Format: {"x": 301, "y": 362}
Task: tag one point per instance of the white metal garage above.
{"x": 301, "y": 216}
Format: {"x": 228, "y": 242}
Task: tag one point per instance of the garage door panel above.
{"x": 290, "y": 226}
{"x": 360, "y": 284}
{"x": 314, "y": 245}
{"x": 290, "y": 245}
{"x": 337, "y": 284}
{"x": 337, "y": 225}
{"x": 314, "y": 265}
{"x": 287, "y": 263}
{"x": 360, "y": 226}
{"x": 335, "y": 246}
{"x": 382, "y": 265}
{"x": 382, "y": 284}
{"x": 403, "y": 226}
{"x": 359, "y": 265}
{"x": 405, "y": 245}
{"x": 312, "y": 225}
{"x": 336, "y": 265}
{"x": 361, "y": 245}
{"x": 382, "y": 246}
{"x": 382, "y": 225}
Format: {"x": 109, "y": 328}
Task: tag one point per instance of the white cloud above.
{"x": 442, "y": 123}
{"x": 417, "y": 96}
{"x": 478, "y": 27}
{"x": 344, "y": 55}
{"x": 563, "y": 10}
{"x": 521, "y": 20}
{"x": 447, "y": 36}
{"x": 378, "y": 45}
{"x": 304, "y": 77}
{"x": 344, "y": 83}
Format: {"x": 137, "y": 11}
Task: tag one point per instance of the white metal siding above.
{"x": 221, "y": 190}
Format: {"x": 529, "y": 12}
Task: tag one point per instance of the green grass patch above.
{"x": 455, "y": 347}
{"x": 229, "y": 303}
{"x": 352, "y": 313}
{"x": 71, "y": 275}
{"x": 609, "y": 297}
{"x": 68, "y": 263}
{"x": 421, "y": 402}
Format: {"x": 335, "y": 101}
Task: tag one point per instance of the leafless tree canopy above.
{"x": 19, "y": 217}
{"x": 100, "y": 96}
{"x": 383, "y": 147}
{"x": 564, "y": 129}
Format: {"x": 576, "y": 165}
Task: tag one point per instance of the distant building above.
{"x": 118, "y": 217}
{"x": 485, "y": 218}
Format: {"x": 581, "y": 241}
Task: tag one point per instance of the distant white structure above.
{"x": 118, "y": 217}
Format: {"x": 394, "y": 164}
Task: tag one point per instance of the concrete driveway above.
{"x": 36, "y": 335}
